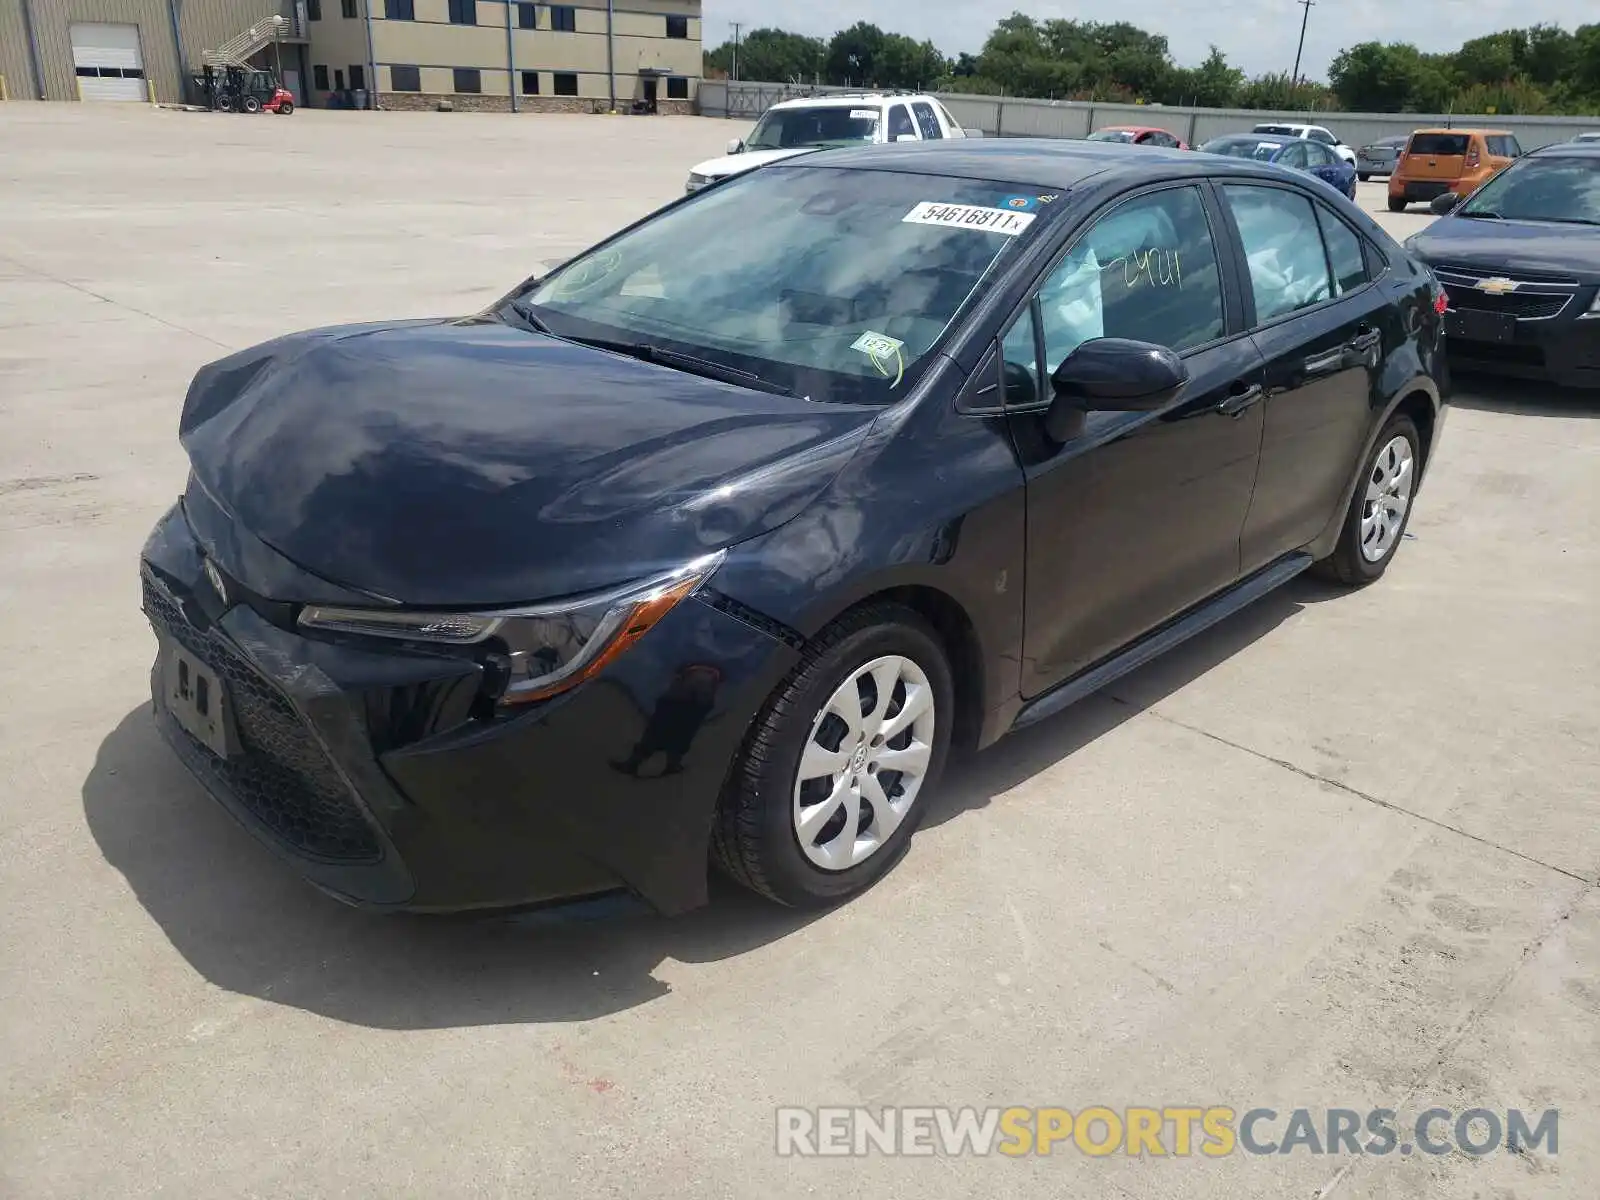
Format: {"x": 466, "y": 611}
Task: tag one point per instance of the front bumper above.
{"x": 378, "y": 774}
{"x": 1564, "y": 350}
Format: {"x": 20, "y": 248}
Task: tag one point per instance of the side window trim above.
{"x": 971, "y": 403}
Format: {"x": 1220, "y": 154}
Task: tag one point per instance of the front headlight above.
{"x": 1410, "y": 244}
{"x": 697, "y": 180}
{"x": 536, "y": 652}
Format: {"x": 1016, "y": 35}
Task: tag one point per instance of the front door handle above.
{"x": 1240, "y": 398}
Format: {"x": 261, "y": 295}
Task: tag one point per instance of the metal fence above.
{"x": 999, "y": 116}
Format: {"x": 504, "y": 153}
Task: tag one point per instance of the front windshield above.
{"x": 834, "y": 284}
{"x": 1541, "y": 189}
{"x": 1111, "y": 135}
{"x": 783, "y": 129}
{"x": 1242, "y": 147}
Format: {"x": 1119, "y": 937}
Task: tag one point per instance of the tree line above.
{"x": 1541, "y": 69}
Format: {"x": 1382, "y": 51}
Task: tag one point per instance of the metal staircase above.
{"x": 237, "y": 50}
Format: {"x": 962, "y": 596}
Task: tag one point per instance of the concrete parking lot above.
{"x": 1340, "y": 852}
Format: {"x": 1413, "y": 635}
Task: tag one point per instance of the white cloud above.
{"x": 1257, "y": 35}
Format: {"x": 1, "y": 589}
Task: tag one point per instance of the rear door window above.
{"x": 900, "y": 123}
{"x": 927, "y": 122}
{"x": 1283, "y": 247}
{"x": 1436, "y": 145}
{"x": 1294, "y": 155}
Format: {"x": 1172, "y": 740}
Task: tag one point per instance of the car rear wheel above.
{"x": 835, "y": 773}
{"x": 1363, "y": 176}
{"x": 1396, "y": 204}
{"x": 1380, "y": 508}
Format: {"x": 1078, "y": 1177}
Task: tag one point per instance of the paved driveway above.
{"x": 1339, "y": 852}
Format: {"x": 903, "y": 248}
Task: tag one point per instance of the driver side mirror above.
{"x": 736, "y": 146}
{"x": 1112, "y": 375}
{"x": 1445, "y": 204}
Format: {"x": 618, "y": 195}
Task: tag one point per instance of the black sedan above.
{"x": 709, "y": 546}
{"x": 1520, "y": 261}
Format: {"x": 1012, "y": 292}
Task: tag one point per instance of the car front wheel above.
{"x": 1380, "y": 508}
{"x": 1396, "y": 204}
{"x": 835, "y": 772}
{"x": 1363, "y": 176}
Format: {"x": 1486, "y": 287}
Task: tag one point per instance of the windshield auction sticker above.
{"x": 969, "y": 216}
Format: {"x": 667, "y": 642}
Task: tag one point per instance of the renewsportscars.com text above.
{"x": 1180, "y": 1131}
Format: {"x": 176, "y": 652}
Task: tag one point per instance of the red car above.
{"x": 282, "y": 102}
{"x": 1139, "y": 135}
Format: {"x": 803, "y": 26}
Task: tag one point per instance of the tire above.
{"x": 285, "y": 108}
{"x": 1365, "y": 550}
{"x": 225, "y": 103}
{"x": 1363, "y": 177}
{"x": 1396, "y": 204}
{"x": 756, "y": 839}
{"x": 252, "y": 104}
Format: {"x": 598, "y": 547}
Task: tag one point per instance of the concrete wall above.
{"x": 1012, "y": 117}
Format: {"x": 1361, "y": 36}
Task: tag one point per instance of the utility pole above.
{"x": 736, "y": 28}
{"x": 1294, "y": 79}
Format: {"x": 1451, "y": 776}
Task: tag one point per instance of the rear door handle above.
{"x": 1240, "y": 398}
{"x": 1365, "y": 339}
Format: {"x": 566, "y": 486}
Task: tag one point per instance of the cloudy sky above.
{"x": 1258, "y": 35}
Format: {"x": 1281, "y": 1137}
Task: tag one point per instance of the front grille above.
{"x": 1470, "y": 274}
{"x": 1539, "y": 295}
{"x": 1526, "y": 354}
{"x": 1525, "y": 306}
{"x": 281, "y": 774}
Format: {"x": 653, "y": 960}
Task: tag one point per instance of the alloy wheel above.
{"x": 1388, "y": 498}
{"x": 864, "y": 762}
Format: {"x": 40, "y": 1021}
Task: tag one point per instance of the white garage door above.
{"x": 109, "y": 64}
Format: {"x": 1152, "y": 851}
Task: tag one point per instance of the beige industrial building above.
{"x": 504, "y": 55}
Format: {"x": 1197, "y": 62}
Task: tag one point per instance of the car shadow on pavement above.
{"x": 977, "y": 780}
{"x": 246, "y": 922}
{"x": 1521, "y": 397}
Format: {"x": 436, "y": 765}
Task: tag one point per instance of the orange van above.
{"x": 1436, "y": 161}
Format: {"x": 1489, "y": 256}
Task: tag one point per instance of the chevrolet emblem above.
{"x": 1497, "y": 286}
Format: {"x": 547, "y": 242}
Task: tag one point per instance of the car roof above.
{"x": 845, "y": 99}
{"x": 1044, "y": 162}
{"x": 1585, "y": 150}
{"x": 1467, "y": 129}
{"x": 1274, "y": 139}
{"x": 1130, "y": 129}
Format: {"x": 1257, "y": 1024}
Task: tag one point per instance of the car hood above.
{"x": 473, "y": 463}
{"x": 733, "y": 164}
{"x": 1510, "y": 246}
